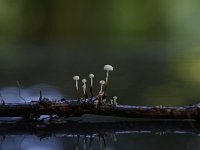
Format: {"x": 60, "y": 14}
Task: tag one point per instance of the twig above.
{"x": 19, "y": 87}
{"x": 1, "y": 99}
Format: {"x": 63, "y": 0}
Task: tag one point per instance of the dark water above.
{"x": 124, "y": 141}
{"x": 139, "y": 78}
{"x": 141, "y": 140}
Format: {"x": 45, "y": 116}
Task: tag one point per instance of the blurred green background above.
{"x": 154, "y": 46}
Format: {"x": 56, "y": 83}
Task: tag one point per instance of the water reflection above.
{"x": 26, "y": 135}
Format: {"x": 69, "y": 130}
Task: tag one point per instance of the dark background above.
{"x": 154, "y": 47}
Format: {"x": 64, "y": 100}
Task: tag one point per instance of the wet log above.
{"x": 73, "y": 108}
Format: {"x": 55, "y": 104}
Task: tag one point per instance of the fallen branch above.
{"x": 73, "y": 108}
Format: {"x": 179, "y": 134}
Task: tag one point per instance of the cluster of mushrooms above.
{"x": 100, "y": 99}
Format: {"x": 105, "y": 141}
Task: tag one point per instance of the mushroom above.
{"x": 84, "y": 87}
{"x": 102, "y": 82}
{"x": 91, "y": 76}
{"x": 101, "y": 93}
{"x": 108, "y": 68}
{"x": 115, "y": 100}
{"x": 76, "y": 78}
{"x": 111, "y": 101}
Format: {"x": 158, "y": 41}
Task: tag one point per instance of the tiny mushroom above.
{"x": 102, "y": 82}
{"x": 115, "y": 100}
{"x": 91, "y": 76}
{"x": 84, "y": 85}
{"x": 76, "y": 78}
{"x": 111, "y": 101}
{"x": 108, "y": 68}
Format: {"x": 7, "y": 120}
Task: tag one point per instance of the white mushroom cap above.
{"x": 108, "y": 68}
{"x": 84, "y": 80}
{"x": 91, "y": 75}
{"x": 115, "y": 97}
{"x": 102, "y": 82}
{"x": 76, "y": 78}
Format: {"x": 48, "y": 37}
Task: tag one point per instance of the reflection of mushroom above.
{"x": 115, "y": 100}
{"x": 76, "y": 78}
{"x": 91, "y": 76}
{"x": 84, "y": 144}
{"x": 84, "y": 87}
{"x": 108, "y": 68}
{"x": 114, "y": 138}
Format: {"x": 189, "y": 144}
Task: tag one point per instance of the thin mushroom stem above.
{"x": 91, "y": 82}
{"x": 77, "y": 85}
{"x": 91, "y": 76}
{"x": 77, "y": 94}
{"x": 101, "y": 93}
{"x": 84, "y": 88}
{"x": 101, "y": 88}
{"x": 102, "y": 82}
{"x": 107, "y": 75}
{"x": 115, "y": 100}
{"x": 107, "y": 68}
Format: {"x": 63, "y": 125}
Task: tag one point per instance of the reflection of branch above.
{"x": 75, "y": 128}
{"x": 2, "y": 140}
{"x": 72, "y": 108}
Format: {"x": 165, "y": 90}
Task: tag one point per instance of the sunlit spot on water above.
{"x": 34, "y": 143}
